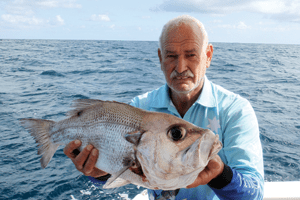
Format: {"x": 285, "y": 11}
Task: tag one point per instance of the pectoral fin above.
{"x": 119, "y": 182}
{"x": 133, "y": 137}
{"x": 115, "y": 180}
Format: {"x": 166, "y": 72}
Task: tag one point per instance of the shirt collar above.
{"x": 207, "y": 97}
{"x": 162, "y": 99}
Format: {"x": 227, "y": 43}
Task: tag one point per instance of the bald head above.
{"x": 183, "y": 20}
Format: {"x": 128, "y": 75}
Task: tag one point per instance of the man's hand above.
{"x": 213, "y": 169}
{"x": 86, "y": 160}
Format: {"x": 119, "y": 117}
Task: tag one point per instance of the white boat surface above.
{"x": 273, "y": 191}
{"x": 282, "y": 190}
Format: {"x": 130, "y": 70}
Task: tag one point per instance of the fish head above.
{"x": 172, "y": 149}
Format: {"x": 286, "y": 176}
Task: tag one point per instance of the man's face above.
{"x": 182, "y": 59}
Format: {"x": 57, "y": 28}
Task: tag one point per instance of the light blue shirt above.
{"x": 233, "y": 119}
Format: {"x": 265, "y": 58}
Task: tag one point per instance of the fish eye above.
{"x": 177, "y": 133}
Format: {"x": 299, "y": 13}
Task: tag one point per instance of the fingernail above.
{"x": 89, "y": 147}
{"x": 94, "y": 152}
{"x": 77, "y": 142}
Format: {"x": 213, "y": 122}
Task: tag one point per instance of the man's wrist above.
{"x": 223, "y": 179}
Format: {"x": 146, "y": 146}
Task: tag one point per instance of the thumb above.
{"x": 214, "y": 163}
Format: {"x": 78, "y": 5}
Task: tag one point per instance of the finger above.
{"x": 68, "y": 150}
{"x": 90, "y": 162}
{"x": 213, "y": 169}
{"x": 199, "y": 180}
{"x": 213, "y": 164}
{"x": 80, "y": 160}
{"x": 216, "y": 165}
{"x": 97, "y": 173}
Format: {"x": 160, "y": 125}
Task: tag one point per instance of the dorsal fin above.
{"x": 81, "y": 104}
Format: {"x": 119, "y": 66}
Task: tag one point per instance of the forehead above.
{"x": 184, "y": 36}
{"x": 184, "y": 45}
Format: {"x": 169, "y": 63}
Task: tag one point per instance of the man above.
{"x": 184, "y": 54}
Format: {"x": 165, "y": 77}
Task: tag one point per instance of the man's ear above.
{"x": 209, "y": 54}
{"x": 159, "y": 55}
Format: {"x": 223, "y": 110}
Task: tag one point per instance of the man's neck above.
{"x": 183, "y": 101}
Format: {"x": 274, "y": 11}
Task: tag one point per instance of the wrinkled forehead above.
{"x": 184, "y": 35}
{"x": 185, "y": 46}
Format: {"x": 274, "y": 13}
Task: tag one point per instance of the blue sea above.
{"x": 41, "y": 78}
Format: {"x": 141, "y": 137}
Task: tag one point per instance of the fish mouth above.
{"x": 137, "y": 169}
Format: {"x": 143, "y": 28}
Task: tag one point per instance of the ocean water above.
{"x": 41, "y": 78}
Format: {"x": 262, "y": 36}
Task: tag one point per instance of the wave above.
{"x": 51, "y": 73}
{"x": 79, "y": 96}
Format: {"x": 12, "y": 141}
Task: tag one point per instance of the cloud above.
{"x": 240, "y": 26}
{"x": 18, "y": 9}
{"x": 203, "y": 6}
{"x": 216, "y": 21}
{"x": 276, "y": 9}
{"x": 59, "y": 20}
{"x": 21, "y": 13}
{"x": 243, "y": 26}
{"x": 21, "y": 20}
{"x": 99, "y": 18}
{"x": 58, "y": 4}
{"x": 27, "y": 7}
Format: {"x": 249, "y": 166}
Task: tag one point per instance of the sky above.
{"x": 230, "y": 21}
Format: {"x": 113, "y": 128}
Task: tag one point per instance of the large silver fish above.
{"x": 149, "y": 149}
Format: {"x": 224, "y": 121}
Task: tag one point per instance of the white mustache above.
{"x": 187, "y": 74}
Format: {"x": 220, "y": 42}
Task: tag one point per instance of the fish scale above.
{"x": 107, "y": 130}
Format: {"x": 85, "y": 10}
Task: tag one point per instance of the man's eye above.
{"x": 171, "y": 56}
{"x": 191, "y": 55}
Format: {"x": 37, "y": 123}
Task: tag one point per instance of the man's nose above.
{"x": 181, "y": 65}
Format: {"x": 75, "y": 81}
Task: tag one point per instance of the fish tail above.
{"x": 40, "y": 130}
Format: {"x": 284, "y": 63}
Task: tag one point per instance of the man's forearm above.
{"x": 234, "y": 185}
{"x": 104, "y": 178}
{"x": 223, "y": 179}
{"x": 99, "y": 181}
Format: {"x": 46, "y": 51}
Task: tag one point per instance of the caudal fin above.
{"x": 39, "y": 129}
